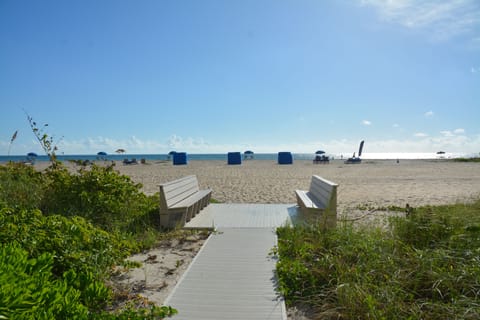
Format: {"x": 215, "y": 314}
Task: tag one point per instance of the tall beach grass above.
{"x": 424, "y": 266}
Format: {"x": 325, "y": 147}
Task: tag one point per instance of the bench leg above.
{"x": 207, "y": 199}
{"x": 173, "y": 218}
{"x": 190, "y": 213}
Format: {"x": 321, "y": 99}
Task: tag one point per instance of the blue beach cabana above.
{"x": 234, "y": 158}
{"x": 179, "y": 158}
{"x": 285, "y": 158}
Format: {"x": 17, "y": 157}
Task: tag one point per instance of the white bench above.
{"x": 321, "y": 199}
{"x": 181, "y": 200}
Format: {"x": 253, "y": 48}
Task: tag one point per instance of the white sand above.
{"x": 372, "y": 183}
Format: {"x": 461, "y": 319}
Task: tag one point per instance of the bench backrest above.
{"x": 175, "y": 191}
{"x": 324, "y": 191}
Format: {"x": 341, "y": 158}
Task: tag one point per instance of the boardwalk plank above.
{"x": 242, "y": 215}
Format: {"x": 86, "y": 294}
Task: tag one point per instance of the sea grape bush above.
{"x": 61, "y": 234}
{"x": 100, "y": 195}
{"x": 30, "y": 290}
{"x": 77, "y": 244}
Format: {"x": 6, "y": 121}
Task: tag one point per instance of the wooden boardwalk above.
{"x": 233, "y": 275}
{"x": 243, "y": 215}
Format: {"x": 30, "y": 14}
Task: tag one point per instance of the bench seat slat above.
{"x": 175, "y": 197}
{"x": 192, "y": 199}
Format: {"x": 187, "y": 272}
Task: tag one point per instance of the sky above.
{"x": 214, "y": 76}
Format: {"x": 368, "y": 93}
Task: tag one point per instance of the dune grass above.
{"x": 425, "y": 266}
{"x": 474, "y": 159}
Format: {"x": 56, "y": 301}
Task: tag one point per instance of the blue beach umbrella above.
{"x": 32, "y": 154}
{"x": 248, "y": 154}
{"x": 102, "y": 155}
{"x": 320, "y": 152}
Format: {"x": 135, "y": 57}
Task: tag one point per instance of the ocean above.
{"x": 223, "y": 156}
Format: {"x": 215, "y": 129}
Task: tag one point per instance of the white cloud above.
{"x": 420, "y": 135}
{"x": 456, "y": 132}
{"x": 428, "y": 114}
{"x": 440, "y": 20}
{"x": 366, "y": 123}
{"x": 448, "y": 140}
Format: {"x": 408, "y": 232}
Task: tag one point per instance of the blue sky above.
{"x": 217, "y": 76}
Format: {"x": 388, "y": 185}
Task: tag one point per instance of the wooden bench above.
{"x": 321, "y": 199}
{"x": 181, "y": 200}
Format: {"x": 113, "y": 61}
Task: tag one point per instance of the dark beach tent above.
{"x": 234, "y": 158}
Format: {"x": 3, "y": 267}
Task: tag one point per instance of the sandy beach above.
{"x": 373, "y": 183}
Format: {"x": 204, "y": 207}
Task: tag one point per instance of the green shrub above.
{"x": 30, "y": 291}
{"x": 101, "y": 195}
{"x": 60, "y": 235}
{"x": 152, "y": 313}
{"x": 76, "y": 244}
